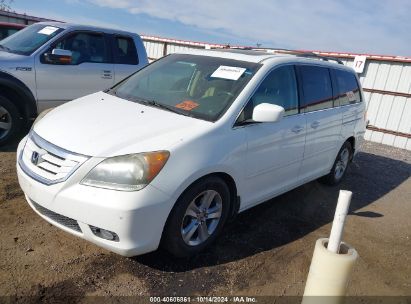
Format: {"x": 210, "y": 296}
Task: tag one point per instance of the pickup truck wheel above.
{"x": 340, "y": 166}
{"x": 197, "y": 218}
{"x": 10, "y": 121}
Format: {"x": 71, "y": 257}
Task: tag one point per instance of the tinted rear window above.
{"x": 348, "y": 89}
{"x": 316, "y": 87}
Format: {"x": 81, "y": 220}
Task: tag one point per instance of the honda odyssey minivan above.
{"x": 169, "y": 154}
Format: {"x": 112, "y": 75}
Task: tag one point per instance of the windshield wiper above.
{"x": 154, "y": 103}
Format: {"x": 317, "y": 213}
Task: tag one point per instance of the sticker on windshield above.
{"x": 228, "y": 72}
{"x": 48, "y": 30}
{"x": 187, "y": 105}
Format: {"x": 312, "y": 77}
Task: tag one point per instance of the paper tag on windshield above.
{"x": 228, "y": 72}
{"x": 48, "y": 30}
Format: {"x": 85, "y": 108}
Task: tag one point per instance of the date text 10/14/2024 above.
{"x": 203, "y": 299}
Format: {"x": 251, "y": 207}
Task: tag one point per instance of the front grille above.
{"x": 46, "y": 162}
{"x": 61, "y": 219}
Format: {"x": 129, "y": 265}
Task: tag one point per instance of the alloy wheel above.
{"x": 5, "y": 122}
{"x": 201, "y": 217}
{"x": 342, "y": 164}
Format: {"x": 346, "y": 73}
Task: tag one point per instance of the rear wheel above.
{"x": 340, "y": 166}
{"x": 197, "y": 218}
{"x": 10, "y": 122}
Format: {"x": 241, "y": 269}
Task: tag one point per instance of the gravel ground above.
{"x": 265, "y": 251}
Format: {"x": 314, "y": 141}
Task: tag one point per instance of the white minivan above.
{"x": 169, "y": 154}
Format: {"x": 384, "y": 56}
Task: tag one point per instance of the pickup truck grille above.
{"x": 46, "y": 162}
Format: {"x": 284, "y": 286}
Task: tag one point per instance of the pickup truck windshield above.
{"x": 29, "y": 39}
{"x": 198, "y": 86}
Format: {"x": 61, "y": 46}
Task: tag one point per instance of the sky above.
{"x": 356, "y": 26}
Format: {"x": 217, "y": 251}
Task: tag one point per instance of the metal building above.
{"x": 386, "y": 81}
{"x": 12, "y": 17}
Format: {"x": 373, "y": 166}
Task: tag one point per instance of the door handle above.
{"x": 315, "y": 124}
{"x": 297, "y": 129}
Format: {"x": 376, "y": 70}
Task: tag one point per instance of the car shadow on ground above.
{"x": 292, "y": 215}
{"x": 12, "y": 145}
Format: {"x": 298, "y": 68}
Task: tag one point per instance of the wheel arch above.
{"x": 351, "y": 140}
{"x": 232, "y": 186}
{"x": 19, "y": 94}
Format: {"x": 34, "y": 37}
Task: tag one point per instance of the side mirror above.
{"x": 58, "y": 56}
{"x": 266, "y": 112}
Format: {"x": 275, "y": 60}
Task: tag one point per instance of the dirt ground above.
{"x": 265, "y": 251}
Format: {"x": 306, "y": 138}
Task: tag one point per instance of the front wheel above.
{"x": 10, "y": 121}
{"x": 197, "y": 218}
{"x": 340, "y": 166}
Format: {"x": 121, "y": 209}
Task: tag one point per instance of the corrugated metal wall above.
{"x": 157, "y": 48}
{"x": 19, "y": 18}
{"x": 387, "y": 86}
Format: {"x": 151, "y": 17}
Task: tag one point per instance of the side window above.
{"x": 85, "y": 47}
{"x": 279, "y": 88}
{"x": 348, "y": 89}
{"x": 125, "y": 51}
{"x": 316, "y": 87}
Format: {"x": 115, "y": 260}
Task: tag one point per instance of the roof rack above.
{"x": 294, "y": 52}
{"x": 285, "y": 51}
{"x": 325, "y": 58}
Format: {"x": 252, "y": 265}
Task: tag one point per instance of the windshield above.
{"x": 199, "y": 86}
{"x": 28, "y": 40}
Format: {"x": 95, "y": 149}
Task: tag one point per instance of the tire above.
{"x": 190, "y": 229}
{"x": 10, "y": 122}
{"x": 340, "y": 166}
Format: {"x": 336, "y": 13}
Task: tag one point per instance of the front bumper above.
{"x": 137, "y": 217}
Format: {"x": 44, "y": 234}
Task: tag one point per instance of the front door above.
{"x": 275, "y": 150}
{"x": 90, "y": 70}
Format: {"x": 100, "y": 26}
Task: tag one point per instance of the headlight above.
{"x": 41, "y": 115}
{"x": 128, "y": 172}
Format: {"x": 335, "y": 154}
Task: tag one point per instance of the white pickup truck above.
{"x": 49, "y": 63}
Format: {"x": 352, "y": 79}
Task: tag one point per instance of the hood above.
{"x": 11, "y": 56}
{"x": 103, "y": 125}
{"x": 10, "y": 62}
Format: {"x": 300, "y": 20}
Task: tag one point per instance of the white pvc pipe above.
{"x": 341, "y": 212}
